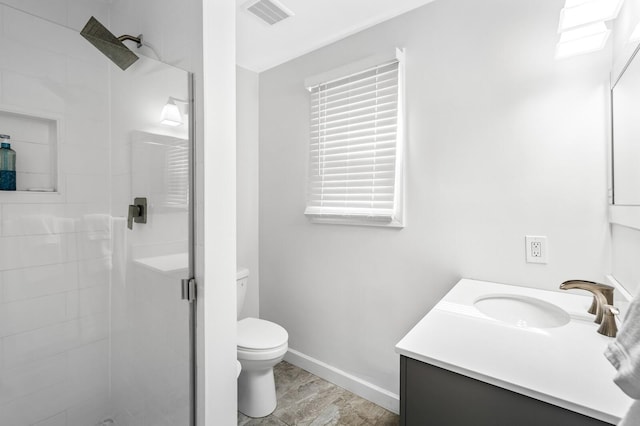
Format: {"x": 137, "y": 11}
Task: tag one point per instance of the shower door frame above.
{"x": 192, "y": 298}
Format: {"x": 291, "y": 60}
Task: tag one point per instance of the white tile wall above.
{"x": 87, "y": 132}
{"x": 52, "y": 340}
{"x": 94, "y": 272}
{"x": 36, "y": 406}
{"x": 87, "y": 301}
{"x": 90, "y": 371}
{"x": 84, "y": 159}
{"x": 46, "y": 219}
{"x": 149, "y": 380}
{"x": 24, "y": 380}
{"x": 36, "y": 250}
{"x": 53, "y": 10}
{"x": 89, "y": 408}
{"x": 20, "y": 220}
{"x": 31, "y": 130}
{"x": 92, "y": 189}
{"x": 40, "y": 281}
{"x": 24, "y": 91}
{"x": 32, "y": 60}
{"x": 31, "y": 314}
{"x": 79, "y": 11}
{"x": 40, "y": 158}
{"x": 71, "y": 13}
{"x": 59, "y": 419}
{"x": 55, "y": 252}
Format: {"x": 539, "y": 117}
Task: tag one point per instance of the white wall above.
{"x": 248, "y": 185}
{"x": 55, "y": 248}
{"x": 503, "y": 142}
{"x": 217, "y": 399}
{"x": 172, "y": 29}
{"x": 623, "y": 26}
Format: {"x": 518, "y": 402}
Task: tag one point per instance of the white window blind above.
{"x": 177, "y": 175}
{"x": 356, "y": 144}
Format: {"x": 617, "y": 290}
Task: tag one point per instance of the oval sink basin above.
{"x": 522, "y": 311}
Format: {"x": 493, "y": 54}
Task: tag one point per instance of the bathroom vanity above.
{"x": 495, "y": 354}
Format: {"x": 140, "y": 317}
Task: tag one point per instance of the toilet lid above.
{"x": 254, "y": 333}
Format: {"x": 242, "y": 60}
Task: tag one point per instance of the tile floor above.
{"x": 305, "y": 399}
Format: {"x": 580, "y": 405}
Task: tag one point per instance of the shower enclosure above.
{"x": 94, "y": 329}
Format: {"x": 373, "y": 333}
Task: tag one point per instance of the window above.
{"x": 356, "y": 146}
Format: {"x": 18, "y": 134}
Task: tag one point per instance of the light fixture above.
{"x": 585, "y": 39}
{"x": 635, "y": 35}
{"x": 582, "y": 12}
{"x": 170, "y": 115}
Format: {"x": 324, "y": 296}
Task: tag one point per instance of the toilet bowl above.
{"x": 261, "y": 345}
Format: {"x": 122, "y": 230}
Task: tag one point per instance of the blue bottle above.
{"x": 7, "y": 165}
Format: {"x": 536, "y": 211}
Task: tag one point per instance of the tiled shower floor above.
{"x": 305, "y": 399}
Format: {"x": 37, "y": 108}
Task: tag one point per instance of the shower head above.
{"x": 110, "y": 45}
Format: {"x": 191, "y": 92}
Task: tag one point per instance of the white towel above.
{"x": 624, "y": 354}
{"x": 633, "y": 415}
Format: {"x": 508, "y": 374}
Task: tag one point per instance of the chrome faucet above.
{"x": 602, "y": 296}
{"x": 601, "y": 306}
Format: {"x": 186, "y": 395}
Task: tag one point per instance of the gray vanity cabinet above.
{"x": 431, "y": 395}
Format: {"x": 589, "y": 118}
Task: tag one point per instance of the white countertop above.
{"x": 563, "y": 366}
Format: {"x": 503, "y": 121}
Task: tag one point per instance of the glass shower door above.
{"x": 151, "y": 368}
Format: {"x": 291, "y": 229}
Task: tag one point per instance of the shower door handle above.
{"x": 137, "y": 212}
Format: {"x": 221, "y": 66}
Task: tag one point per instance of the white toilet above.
{"x": 261, "y": 345}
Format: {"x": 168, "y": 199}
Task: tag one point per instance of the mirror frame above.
{"x": 626, "y": 215}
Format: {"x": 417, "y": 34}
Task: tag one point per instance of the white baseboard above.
{"x": 362, "y": 388}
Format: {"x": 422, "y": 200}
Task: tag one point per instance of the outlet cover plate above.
{"x": 536, "y": 249}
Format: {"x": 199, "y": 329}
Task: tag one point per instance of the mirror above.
{"x": 625, "y": 103}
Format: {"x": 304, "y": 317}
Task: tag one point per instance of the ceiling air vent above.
{"x": 269, "y": 11}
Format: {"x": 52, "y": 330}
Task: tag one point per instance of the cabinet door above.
{"x": 430, "y": 395}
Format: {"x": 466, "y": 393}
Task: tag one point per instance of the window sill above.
{"x": 356, "y": 221}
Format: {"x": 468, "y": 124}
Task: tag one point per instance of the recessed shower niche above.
{"x": 35, "y": 140}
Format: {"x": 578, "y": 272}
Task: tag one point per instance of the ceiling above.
{"x": 315, "y": 23}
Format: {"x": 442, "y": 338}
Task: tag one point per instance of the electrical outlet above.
{"x": 536, "y": 249}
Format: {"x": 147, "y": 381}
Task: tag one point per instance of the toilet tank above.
{"x": 242, "y": 280}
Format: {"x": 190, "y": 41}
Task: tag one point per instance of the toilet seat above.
{"x": 244, "y": 354}
{"x": 257, "y": 335}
